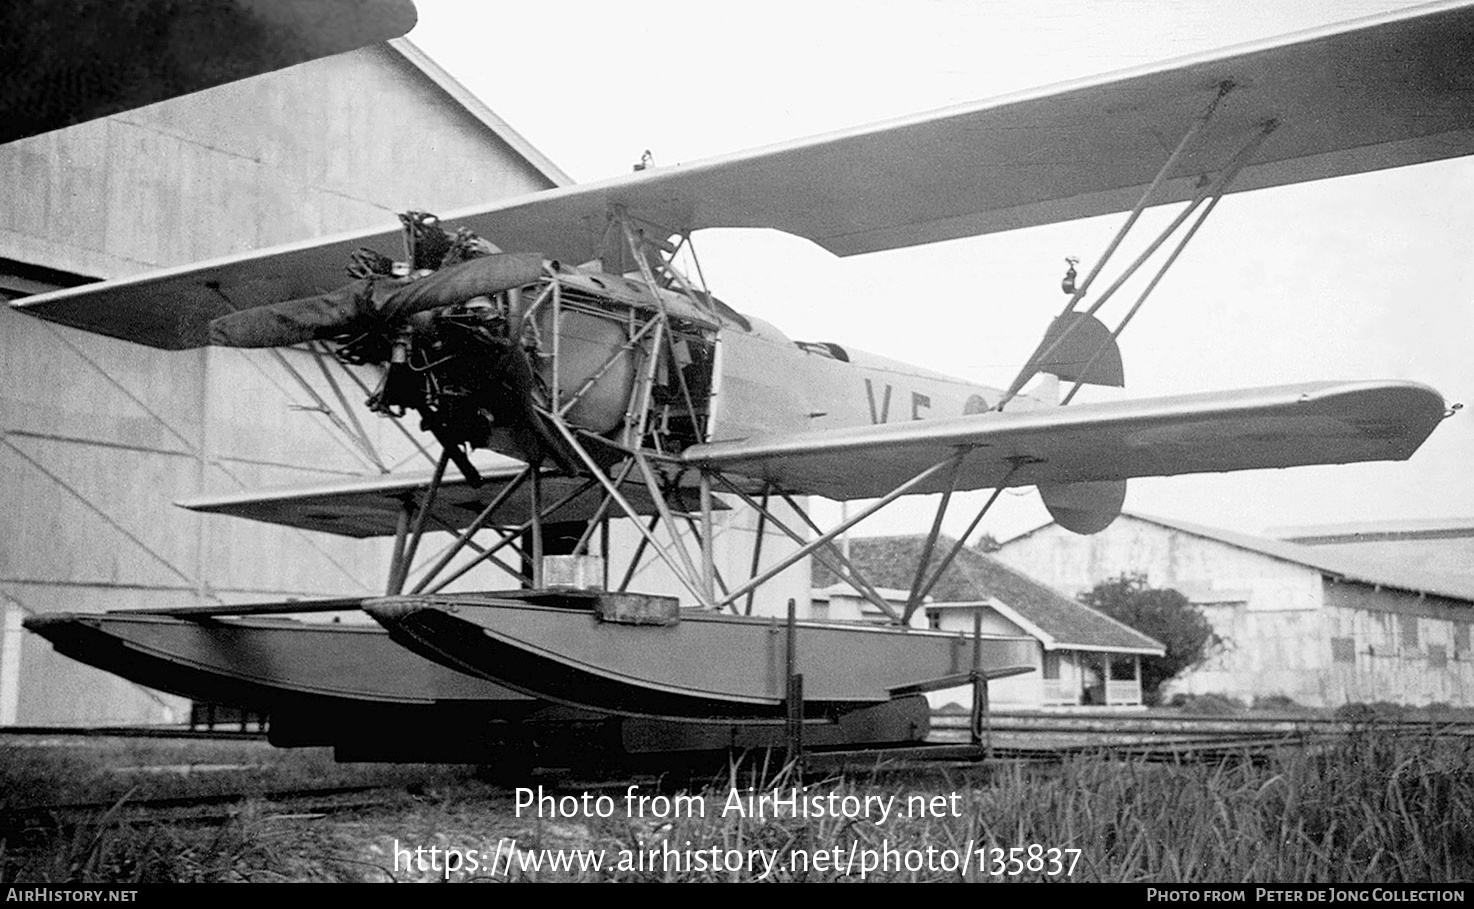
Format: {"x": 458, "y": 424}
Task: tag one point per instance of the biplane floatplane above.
{"x": 558, "y": 328}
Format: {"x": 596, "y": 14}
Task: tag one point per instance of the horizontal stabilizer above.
{"x": 1383, "y": 92}
{"x": 1286, "y": 426}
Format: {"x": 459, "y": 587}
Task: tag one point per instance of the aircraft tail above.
{"x": 1086, "y": 351}
{"x": 1046, "y": 390}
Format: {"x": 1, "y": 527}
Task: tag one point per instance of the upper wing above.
{"x": 1371, "y": 94}
{"x": 66, "y": 63}
{"x": 1287, "y": 426}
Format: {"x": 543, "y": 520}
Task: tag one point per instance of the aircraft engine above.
{"x": 591, "y": 352}
{"x": 479, "y": 346}
{"x": 482, "y": 344}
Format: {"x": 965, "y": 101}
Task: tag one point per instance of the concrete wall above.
{"x": 332, "y": 145}
{"x": 1266, "y": 654}
{"x": 1205, "y": 570}
{"x": 1390, "y": 645}
{"x": 1267, "y": 609}
{"x": 959, "y": 618}
{"x": 842, "y": 603}
{"x": 1016, "y": 692}
{"x": 99, "y": 436}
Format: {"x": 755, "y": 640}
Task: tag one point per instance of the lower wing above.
{"x": 1285, "y": 426}
{"x": 376, "y": 506}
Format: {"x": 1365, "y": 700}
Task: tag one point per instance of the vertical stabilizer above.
{"x": 1079, "y": 348}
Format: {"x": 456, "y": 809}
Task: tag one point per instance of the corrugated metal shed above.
{"x": 1322, "y": 628}
{"x": 1341, "y": 566}
{"x": 98, "y": 437}
{"x": 1442, "y": 546}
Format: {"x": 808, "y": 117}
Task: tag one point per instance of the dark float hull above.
{"x": 354, "y": 688}
{"x": 695, "y": 665}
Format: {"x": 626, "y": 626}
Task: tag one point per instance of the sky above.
{"x": 1364, "y": 277}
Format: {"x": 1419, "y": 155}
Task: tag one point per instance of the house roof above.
{"x": 478, "y": 109}
{"x": 977, "y": 578}
{"x": 1339, "y": 565}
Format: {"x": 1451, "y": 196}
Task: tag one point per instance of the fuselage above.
{"x": 644, "y": 367}
{"x": 769, "y": 384}
{"x": 741, "y": 377}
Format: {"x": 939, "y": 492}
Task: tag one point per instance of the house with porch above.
{"x": 1083, "y": 657}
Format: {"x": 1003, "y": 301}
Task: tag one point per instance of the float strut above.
{"x": 794, "y": 696}
{"x": 979, "y": 727}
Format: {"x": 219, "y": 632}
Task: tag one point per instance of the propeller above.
{"x": 380, "y": 301}
{"x": 481, "y": 378}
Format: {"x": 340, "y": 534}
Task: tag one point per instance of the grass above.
{"x": 1369, "y": 808}
{"x": 104, "y": 769}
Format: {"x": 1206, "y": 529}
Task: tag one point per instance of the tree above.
{"x": 1163, "y": 614}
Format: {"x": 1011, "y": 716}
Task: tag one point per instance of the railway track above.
{"x": 248, "y": 734}
{"x": 1011, "y": 735}
{"x": 1107, "y": 723}
{"x": 1102, "y": 729}
{"x": 1055, "y": 736}
{"x": 1065, "y": 719}
{"x": 211, "y": 808}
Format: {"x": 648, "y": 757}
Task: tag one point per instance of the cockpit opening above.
{"x": 824, "y": 349}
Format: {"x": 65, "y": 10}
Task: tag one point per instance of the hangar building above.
{"x": 1321, "y": 627}
{"x": 1442, "y": 545}
{"x": 98, "y": 436}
